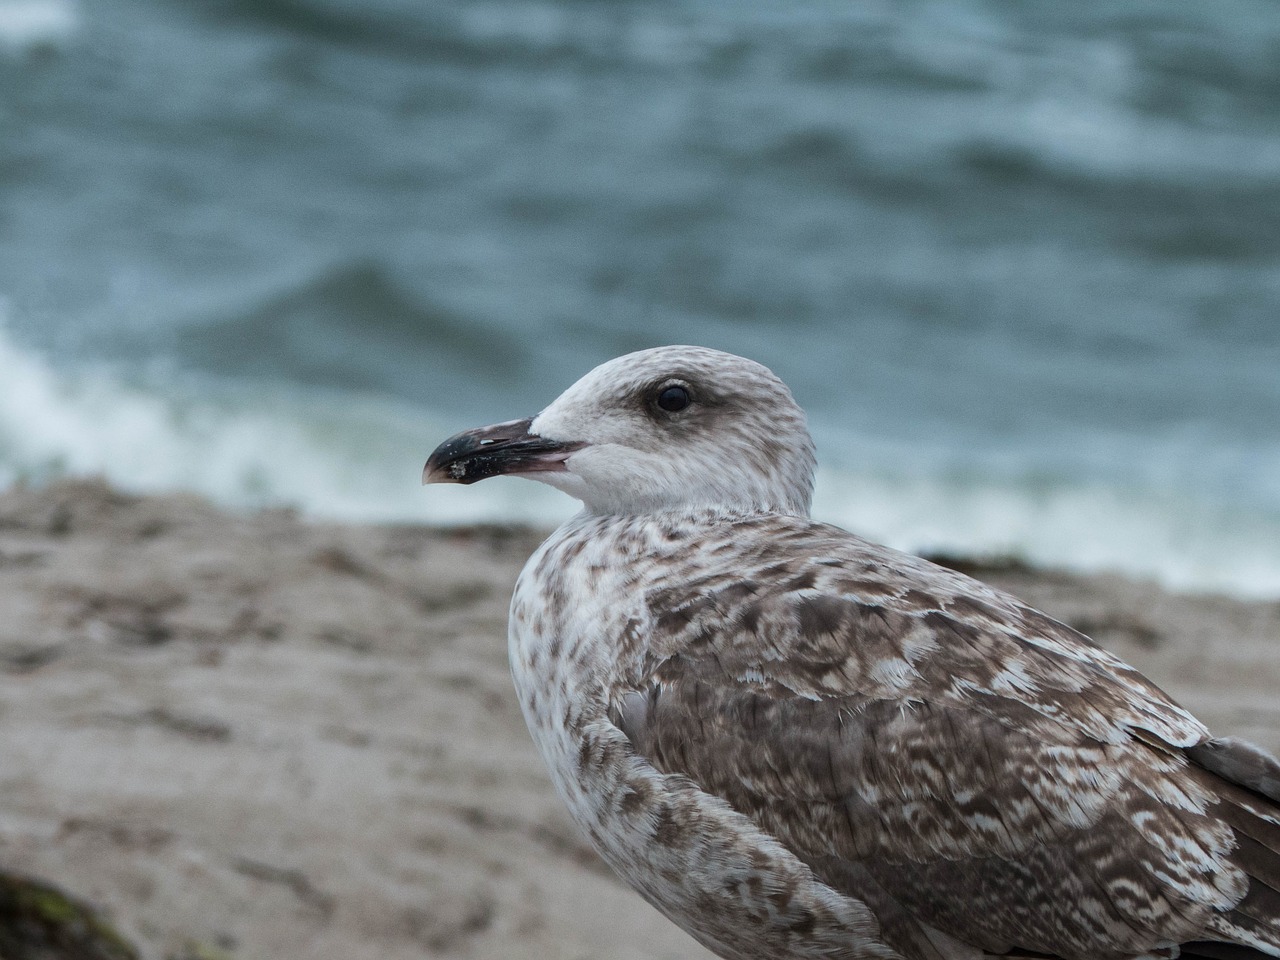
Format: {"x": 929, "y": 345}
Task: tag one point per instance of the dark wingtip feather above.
{"x": 1240, "y": 762}
{"x": 1204, "y": 950}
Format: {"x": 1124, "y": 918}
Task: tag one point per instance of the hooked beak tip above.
{"x": 442, "y": 473}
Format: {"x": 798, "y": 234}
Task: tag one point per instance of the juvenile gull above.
{"x": 799, "y": 744}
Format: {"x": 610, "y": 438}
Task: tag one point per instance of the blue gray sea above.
{"x": 1019, "y": 260}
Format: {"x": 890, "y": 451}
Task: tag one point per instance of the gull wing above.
{"x": 954, "y": 758}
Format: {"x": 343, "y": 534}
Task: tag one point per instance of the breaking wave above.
{"x": 356, "y": 456}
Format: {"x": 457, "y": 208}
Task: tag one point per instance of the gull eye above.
{"x": 673, "y": 399}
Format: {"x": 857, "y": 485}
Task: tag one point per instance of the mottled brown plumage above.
{"x": 799, "y": 744}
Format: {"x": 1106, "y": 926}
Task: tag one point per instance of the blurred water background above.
{"x": 1019, "y": 260}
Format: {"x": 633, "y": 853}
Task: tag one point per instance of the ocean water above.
{"x": 1019, "y": 261}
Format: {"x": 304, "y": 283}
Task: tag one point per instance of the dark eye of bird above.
{"x": 673, "y": 399}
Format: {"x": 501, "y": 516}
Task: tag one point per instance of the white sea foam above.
{"x": 32, "y": 24}
{"x": 358, "y": 457}
{"x": 1179, "y": 542}
{"x": 340, "y": 455}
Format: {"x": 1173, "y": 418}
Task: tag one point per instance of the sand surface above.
{"x": 259, "y": 737}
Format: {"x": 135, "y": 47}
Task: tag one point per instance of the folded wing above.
{"x": 959, "y": 761}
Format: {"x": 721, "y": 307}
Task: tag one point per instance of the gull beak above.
{"x": 504, "y": 448}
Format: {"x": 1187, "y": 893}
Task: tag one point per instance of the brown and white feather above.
{"x": 799, "y": 744}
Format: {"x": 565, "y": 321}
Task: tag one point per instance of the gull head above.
{"x": 664, "y": 429}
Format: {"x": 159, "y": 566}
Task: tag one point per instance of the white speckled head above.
{"x": 681, "y": 427}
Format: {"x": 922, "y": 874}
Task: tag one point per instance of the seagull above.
{"x": 798, "y": 744}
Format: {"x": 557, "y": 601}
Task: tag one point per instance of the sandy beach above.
{"x": 254, "y": 736}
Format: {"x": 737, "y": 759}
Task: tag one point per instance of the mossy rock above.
{"x": 40, "y": 922}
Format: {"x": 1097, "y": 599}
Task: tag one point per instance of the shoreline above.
{"x": 261, "y": 736}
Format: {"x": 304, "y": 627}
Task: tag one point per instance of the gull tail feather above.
{"x": 1248, "y": 790}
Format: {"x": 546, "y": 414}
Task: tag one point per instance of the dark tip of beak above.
{"x": 504, "y": 448}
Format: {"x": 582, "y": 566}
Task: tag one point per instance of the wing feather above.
{"x": 922, "y": 739}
